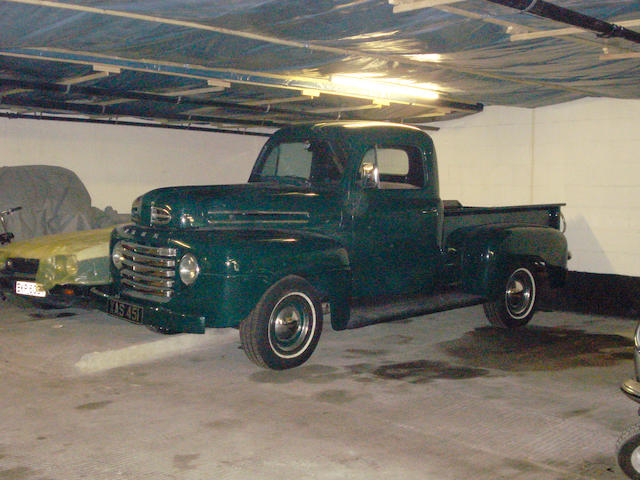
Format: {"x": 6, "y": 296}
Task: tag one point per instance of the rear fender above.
{"x": 487, "y": 253}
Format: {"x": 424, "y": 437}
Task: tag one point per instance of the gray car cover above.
{"x": 53, "y": 200}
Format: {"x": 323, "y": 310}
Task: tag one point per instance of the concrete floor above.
{"x": 86, "y": 396}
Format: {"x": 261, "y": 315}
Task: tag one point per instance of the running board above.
{"x": 363, "y": 315}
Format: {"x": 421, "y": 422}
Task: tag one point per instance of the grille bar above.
{"x": 148, "y": 279}
{"x": 141, "y": 288}
{"x": 146, "y": 269}
{"x": 150, "y": 271}
{"x": 149, "y": 260}
{"x": 156, "y": 251}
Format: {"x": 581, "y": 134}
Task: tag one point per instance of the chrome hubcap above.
{"x": 635, "y": 459}
{"x": 520, "y": 293}
{"x": 290, "y": 324}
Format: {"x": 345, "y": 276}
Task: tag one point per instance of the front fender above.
{"x": 487, "y": 252}
{"x": 242, "y": 265}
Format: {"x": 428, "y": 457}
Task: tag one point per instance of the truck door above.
{"x": 394, "y": 248}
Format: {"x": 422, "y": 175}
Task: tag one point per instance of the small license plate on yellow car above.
{"x": 133, "y": 313}
{"x": 31, "y": 289}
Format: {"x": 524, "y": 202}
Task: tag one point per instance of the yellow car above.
{"x": 56, "y": 270}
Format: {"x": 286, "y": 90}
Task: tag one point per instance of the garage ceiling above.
{"x": 250, "y": 64}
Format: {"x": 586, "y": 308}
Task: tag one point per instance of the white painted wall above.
{"x": 583, "y": 153}
{"x": 118, "y": 163}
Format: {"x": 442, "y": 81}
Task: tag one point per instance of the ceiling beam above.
{"x": 116, "y": 111}
{"x": 234, "y": 76}
{"x": 276, "y": 101}
{"x": 100, "y": 71}
{"x": 38, "y": 116}
{"x": 115, "y": 101}
{"x": 620, "y": 56}
{"x": 13, "y": 91}
{"x": 117, "y": 96}
{"x": 192, "y": 91}
{"x": 83, "y": 78}
{"x": 345, "y": 108}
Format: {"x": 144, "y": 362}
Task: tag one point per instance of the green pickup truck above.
{"x": 339, "y": 223}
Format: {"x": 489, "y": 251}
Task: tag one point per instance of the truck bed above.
{"x": 457, "y": 216}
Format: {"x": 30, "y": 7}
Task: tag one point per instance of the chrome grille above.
{"x": 149, "y": 270}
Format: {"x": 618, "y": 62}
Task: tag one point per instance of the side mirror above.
{"x": 369, "y": 177}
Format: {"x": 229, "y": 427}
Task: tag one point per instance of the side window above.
{"x": 398, "y": 167}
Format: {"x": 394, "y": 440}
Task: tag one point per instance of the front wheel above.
{"x": 628, "y": 451}
{"x": 516, "y": 305}
{"x": 283, "y": 329}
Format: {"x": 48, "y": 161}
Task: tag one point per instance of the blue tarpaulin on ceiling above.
{"x": 260, "y": 48}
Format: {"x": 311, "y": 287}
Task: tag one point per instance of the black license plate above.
{"x": 133, "y": 313}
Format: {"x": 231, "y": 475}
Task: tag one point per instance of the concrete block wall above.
{"x": 118, "y": 163}
{"x": 583, "y": 153}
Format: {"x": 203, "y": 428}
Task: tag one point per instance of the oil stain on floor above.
{"x": 538, "y": 348}
{"x": 414, "y": 371}
{"x": 424, "y": 371}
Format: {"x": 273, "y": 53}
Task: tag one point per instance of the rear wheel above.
{"x": 516, "y": 305}
{"x": 284, "y": 328}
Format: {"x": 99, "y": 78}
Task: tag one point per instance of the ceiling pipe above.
{"x": 151, "y": 97}
{"x": 130, "y": 111}
{"x": 571, "y": 17}
{"x": 126, "y": 123}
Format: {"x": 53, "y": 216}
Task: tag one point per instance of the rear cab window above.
{"x": 399, "y": 167}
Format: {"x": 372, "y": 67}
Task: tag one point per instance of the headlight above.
{"x": 117, "y": 255}
{"x": 66, "y": 264}
{"x": 189, "y": 269}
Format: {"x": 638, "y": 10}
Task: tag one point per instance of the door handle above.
{"x": 430, "y": 211}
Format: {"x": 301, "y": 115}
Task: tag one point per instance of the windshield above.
{"x": 300, "y": 162}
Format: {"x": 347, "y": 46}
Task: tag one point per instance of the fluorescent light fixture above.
{"x": 400, "y": 6}
{"x": 383, "y": 88}
{"x": 425, "y": 57}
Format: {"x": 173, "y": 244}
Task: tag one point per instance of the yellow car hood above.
{"x": 66, "y": 258}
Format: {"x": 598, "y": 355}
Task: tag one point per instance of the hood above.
{"x": 251, "y": 204}
{"x": 84, "y": 245}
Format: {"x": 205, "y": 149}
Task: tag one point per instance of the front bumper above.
{"x": 151, "y": 315}
{"x": 60, "y": 296}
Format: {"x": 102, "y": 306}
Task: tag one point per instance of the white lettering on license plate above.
{"x": 133, "y": 313}
{"x": 31, "y": 289}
